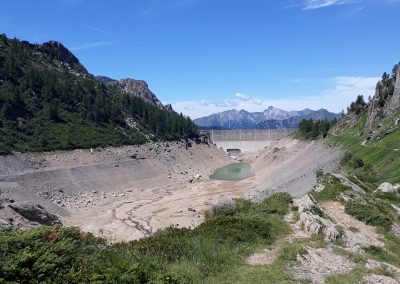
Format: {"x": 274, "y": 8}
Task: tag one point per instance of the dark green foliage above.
{"x": 64, "y": 255}
{"x": 43, "y": 254}
{"x": 48, "y": 101}
{"x": 314, "y": 129}
{"x": 358, "y": 105}
{"x": 223, "y": 211}
{"x": 352, "y": 161}
{"x": 235, "y": 229}
{"x": 363, "y": 171}
{"x": 277, "y": 203}
{"x": 370, "y": 213}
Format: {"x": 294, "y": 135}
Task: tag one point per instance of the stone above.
{"x": 316, "y": 225}
{"x": 227, "y": 202}
{"x": 390, "y": 131}
{"x": 5, "y": 224}
{"x": 396, "y": 230}
{"x": 304, "y": 203}
{"x": 386, "y": 187}
{"x": 197, "y": 177}
{"x": 373, "y": 264}
{"x": 35, "y": 213}
{"x": 374, "y": 279}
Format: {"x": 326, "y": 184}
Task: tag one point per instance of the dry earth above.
{"x": 130, "y": 192}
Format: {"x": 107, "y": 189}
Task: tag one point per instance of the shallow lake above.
{"x": 237, "y": 171}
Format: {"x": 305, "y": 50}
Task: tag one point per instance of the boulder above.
{"x": 227, "y": 202}
{"x": 304, "y": 203}
{"x": 35, "y": 213}
{"x": 386, "y": 187}
{"x": 390, "y": 131}
{"x": 5, "y": 224}
{"x": 316, "y": 225}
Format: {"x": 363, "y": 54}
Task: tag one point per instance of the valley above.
{"x": 128, "y": 193}
{"x": 100, "y": 182}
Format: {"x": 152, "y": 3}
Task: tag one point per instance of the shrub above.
{"x": 368, "y": 213}
{"x": 277, "y": 203}
{"x": 236, "y": 229}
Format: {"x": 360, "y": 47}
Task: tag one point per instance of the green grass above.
{"x": 214, "y": 252}
{"x": 380, "y": 158}
{"x": 331, "y": 192}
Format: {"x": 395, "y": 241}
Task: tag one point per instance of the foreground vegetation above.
{"x": 49, "y": 101}
{"x": 202, "y": 255}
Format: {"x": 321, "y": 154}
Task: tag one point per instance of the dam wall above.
{"x": 248, "y": 141}
{"x": 248, "y": 134}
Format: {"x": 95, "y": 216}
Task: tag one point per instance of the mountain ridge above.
{"x": 49, "y": 101}
{"x": 271, "y": 117}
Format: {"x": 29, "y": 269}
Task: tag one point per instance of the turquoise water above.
{"x": 235, "y": 171}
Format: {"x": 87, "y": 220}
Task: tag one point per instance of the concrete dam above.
{"x": 248, "y": 141}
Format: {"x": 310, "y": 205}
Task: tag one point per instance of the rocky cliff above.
{"x": 386, "y": 101}
{"x": 137, "y": 88}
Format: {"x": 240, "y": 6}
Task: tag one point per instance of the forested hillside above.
{"x": 49, "y": 101}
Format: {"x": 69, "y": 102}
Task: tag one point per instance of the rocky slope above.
{"x": 271, "y": 118}
{"x": 137, "y": 88}
{"x": 386, "y": 101}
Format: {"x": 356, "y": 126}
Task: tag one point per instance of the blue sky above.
{"x": 206, "y": 56}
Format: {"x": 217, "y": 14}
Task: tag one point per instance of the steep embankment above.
{"x": 82, "y": 183}
{"x": 291, "y": 165}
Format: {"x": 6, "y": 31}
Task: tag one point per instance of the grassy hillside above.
{"x": 49, "y": 101}
{"x": 372, "y": 161}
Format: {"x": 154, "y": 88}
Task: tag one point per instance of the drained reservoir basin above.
{"x": 236, "y": 171}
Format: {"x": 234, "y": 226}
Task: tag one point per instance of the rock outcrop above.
{"x": 386, "y": 100}
{"x": 313, "y": 223}
{"x": 34, "y": 213}
{"x": 140, "y": 89}
{"x": 137, "y": 88}
{"x": 386, "y": 187}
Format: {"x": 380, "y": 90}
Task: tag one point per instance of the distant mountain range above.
{"x": 271, "y": 118}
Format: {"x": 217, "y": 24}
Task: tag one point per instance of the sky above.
{"x": 207, "y": 56}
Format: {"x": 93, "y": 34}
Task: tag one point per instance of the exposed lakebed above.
{"x": 236, "y": 171}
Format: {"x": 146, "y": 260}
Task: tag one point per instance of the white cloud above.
{"x": 242, "y": 97}
{"x": 343, "y": 90}
{"x": 318, "y": 4}
{"x": 91, "y": 45}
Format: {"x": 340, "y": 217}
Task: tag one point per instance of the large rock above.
{"x": 318, "y": 225}
{"x": 227, "y": 202}
{"x": 35, "y": 213}
{"x": 304, "y": 203}
{"x": 392, "y": 103}
{"x": 386, "y": 187}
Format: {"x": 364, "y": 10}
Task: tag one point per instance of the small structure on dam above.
{"x": 234, "y": 152}
{"x": 247, "y": 141}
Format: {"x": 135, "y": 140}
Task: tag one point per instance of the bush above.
{"x": 236, "y": 229}
{"x": 352, "y": 161}
{"x": 368, "y": 213}
{"x": 277, "y": 203}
